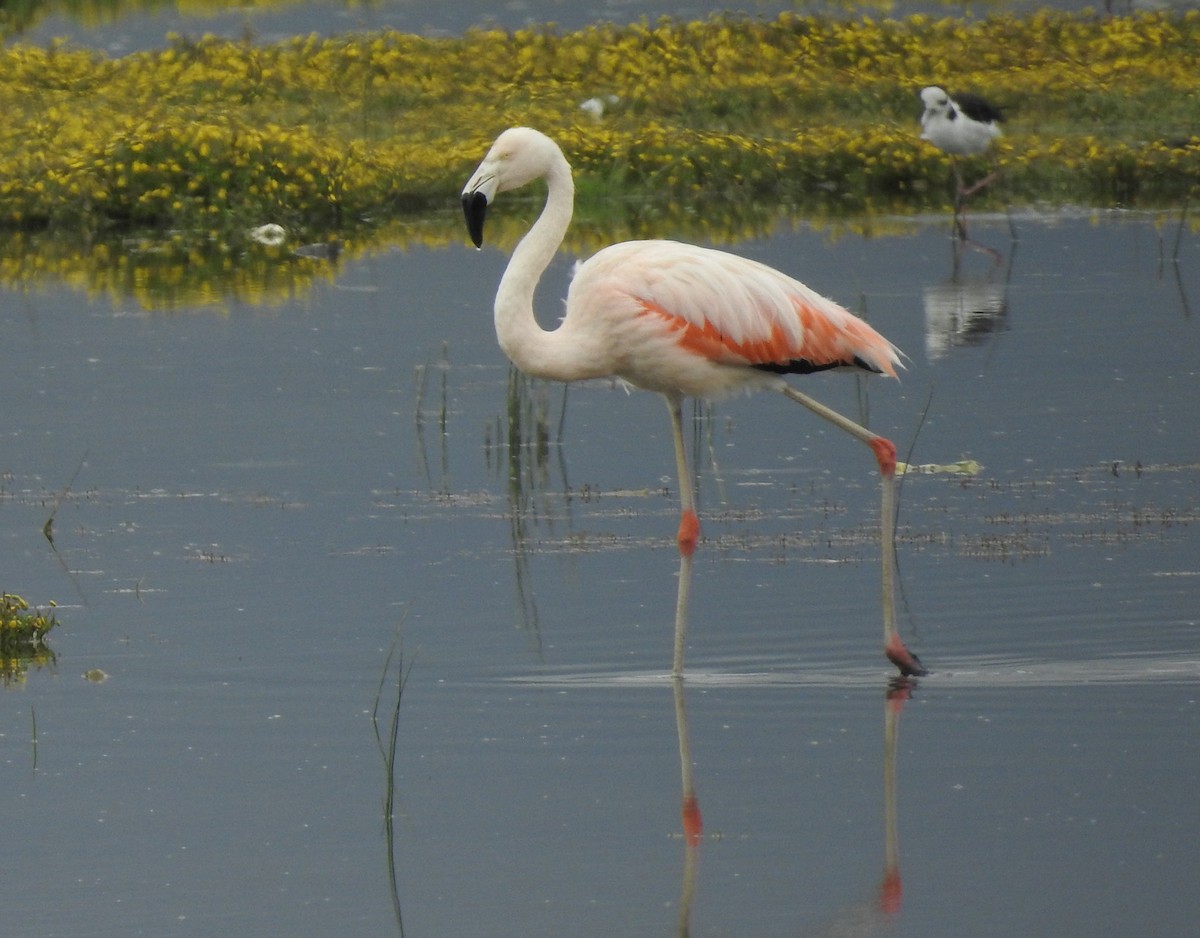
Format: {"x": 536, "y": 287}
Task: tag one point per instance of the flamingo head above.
{"x": 519, "y": 156}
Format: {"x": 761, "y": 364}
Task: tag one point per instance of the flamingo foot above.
{"x": 689, "y": 532}
{"x": 908, "y": 663}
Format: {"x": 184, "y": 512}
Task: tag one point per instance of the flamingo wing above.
{"x": 734, "y": 311}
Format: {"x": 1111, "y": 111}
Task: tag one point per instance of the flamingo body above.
{"x": 674, "y": 318}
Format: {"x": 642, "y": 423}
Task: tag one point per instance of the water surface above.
{"x": 261, "y": 501}
{"x": 134, "y": 28}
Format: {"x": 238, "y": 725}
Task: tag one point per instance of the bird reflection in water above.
{"x": 968, "y": 307}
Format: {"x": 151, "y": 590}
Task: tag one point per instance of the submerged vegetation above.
{"x": 203, "y": 140}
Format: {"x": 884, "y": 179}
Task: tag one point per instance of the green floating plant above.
{"x": 964, "y": 467}
{"x": 23, "y": 631}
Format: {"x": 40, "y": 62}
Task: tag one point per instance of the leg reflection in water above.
{"x": 869, "y": 916}
{"x": 693, "y": 825}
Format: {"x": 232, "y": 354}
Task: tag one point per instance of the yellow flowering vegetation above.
{"x": 690, "y": 125}
{"x": 23, "y": 637}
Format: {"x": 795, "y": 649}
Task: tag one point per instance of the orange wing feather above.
{"x": 730, "y": 310}
{"x": 826, "y": 344}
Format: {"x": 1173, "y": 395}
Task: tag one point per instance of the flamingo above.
{"x": 678, "y": 319}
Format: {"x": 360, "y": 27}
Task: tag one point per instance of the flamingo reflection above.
{"x": 869, "y": 916}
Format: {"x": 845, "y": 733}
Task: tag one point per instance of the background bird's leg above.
{"x": 960, "y": 212}
{"x": 985, "y": 181}
{"x": 960, "y": 202}
{"x": 958, "y": 183}
{"x": 885, "y": 455}
{"x": 689, "y": 523}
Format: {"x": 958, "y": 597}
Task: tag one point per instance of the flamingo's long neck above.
{"x": 530, "y": 347}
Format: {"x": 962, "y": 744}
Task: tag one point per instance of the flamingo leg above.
{"x": 885, "y": 455}
{"x": 689, "y": 534}
{"x": 681, "y": 614}
{"x": 689, "y": 523}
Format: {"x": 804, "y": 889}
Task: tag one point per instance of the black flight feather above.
{"x": 979, "y": 109}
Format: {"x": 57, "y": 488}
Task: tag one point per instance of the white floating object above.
{"x": 270, "y": 235}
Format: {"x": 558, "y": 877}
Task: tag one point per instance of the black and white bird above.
{"x": 964, "y": 125}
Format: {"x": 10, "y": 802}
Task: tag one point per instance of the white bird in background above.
{"x": 964, "y": 125}
{"x": 677, "y": 319}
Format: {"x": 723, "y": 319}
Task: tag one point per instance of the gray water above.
{"x": 253, "y": 507}
{"x": 134, "y": 28}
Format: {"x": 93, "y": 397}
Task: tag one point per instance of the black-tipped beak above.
{"x": 475, "y": 209}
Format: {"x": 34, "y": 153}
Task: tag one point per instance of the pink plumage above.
{"x": 704, "y": 322}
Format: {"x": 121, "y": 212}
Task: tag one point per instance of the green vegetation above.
{"x": 708, "y": 130}
{"x": 23, "y": 637}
